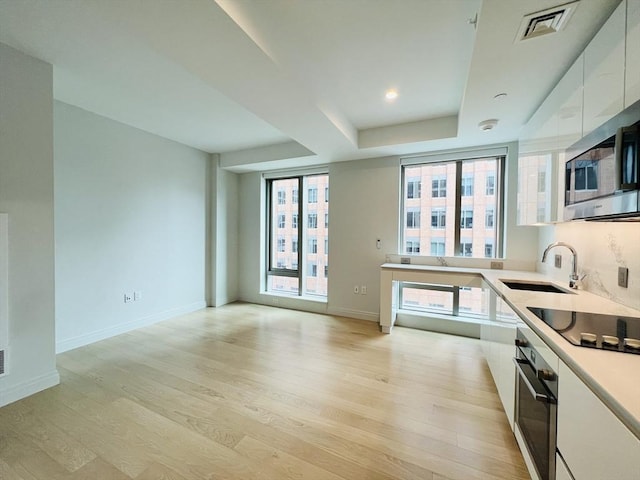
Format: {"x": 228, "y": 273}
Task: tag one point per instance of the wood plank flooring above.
{"x": 253, "y": 392}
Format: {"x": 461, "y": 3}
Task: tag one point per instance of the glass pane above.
{"x": 316, "y": 256}
{"x": 432, "y": 212}
{"x": 433, "y": 301}
{"x": 284, "y": 231}
{"x": 474, "y": 234}
{"x": 279, "y": 284}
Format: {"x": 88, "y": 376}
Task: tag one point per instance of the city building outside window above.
{"x": 282, "y": 197}
{"x": 313, "y": 195}
{"x": 453, "y": 197}
{"x": 281, "y": 220}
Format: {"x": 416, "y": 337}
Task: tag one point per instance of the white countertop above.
{"x": 614, "y": 377}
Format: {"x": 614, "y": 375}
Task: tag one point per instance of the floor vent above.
{"x": 2, "y": 362}
{"x": 545, "y": 22}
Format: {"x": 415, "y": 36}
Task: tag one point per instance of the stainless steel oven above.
{"x": 536, "y": 406}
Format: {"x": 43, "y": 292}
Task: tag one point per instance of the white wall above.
{"x": 602, "y": 247}
{"x": 26, "y": 195}
{"x": 224, "y": 238}
{"x": 364, "y": 205}
{"x": 130, "y": 215}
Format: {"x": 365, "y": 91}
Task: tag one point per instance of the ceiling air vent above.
{"x": 545, "y": 22}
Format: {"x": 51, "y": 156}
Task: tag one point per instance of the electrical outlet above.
{"x": 363, "y": 289}
{"x": 623, "y": 277}
{"x": 137, "y": 295}
{"x": 557, "y": 261}
{"x": 127, "y": 297}
{"x": 497, "y": 265}
{"x": 356, "y": 290}
{"x": 405, "y": 260}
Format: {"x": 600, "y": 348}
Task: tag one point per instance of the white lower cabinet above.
{"x": 593, "y": 442}
{"x": 562, "y": 472}
{"x": 498, "y": 344}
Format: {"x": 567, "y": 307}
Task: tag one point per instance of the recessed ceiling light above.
{"x": 391, "y": 94}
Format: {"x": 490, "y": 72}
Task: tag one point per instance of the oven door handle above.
{"x": 539, "y": 394}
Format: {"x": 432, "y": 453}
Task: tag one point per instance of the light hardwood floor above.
{"x": 252, "y": 392}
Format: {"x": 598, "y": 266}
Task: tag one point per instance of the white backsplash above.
{"x": 602, "y": 247}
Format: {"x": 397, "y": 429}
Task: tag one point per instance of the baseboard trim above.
{"x": 25, "y": 389}
{"x": 96, "y": 336}
{"x": 351, "y": 313}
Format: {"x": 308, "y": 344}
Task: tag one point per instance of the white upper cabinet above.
{"x": 604, "y": 71}
{"x": 632, "y": 65}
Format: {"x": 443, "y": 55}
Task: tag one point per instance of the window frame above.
{"x": 299, "y": 267}
{"x": 500, "y": 154}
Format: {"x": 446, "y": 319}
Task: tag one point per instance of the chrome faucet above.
{"x": 573, "y": 278}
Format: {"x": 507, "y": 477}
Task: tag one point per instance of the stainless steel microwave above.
{"x": 601, "y": 176}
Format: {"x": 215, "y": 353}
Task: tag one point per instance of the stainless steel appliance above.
{"x": 615, "y": 333}
{"x": 536, "y": 406}
{"x": 601, "y": 176}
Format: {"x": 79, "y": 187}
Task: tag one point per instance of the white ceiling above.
{"x": 274, "y": 83}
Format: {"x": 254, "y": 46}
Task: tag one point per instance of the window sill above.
{"x": 305, "y": 298}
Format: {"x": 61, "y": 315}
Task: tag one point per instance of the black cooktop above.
{"x": 594, "y": 330}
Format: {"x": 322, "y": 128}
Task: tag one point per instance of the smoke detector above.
{"x": 544, "y": 22}
{"x": 487, "y": 125}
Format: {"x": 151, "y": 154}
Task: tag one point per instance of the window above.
{"x": 488, "y": 249}
{"x": 326, "y": 220}
{"x": 586, "y": 175}
{"x": 326, "y": 245}
{"x": 466, "y": 219}
{"x": 453, "y": 197}
{"x": 467, "y": 186}
{"x": 313, "y": 269}
{"x": 413, "y": 218}
{"x": 437, "y": 248}
{"x": 542, "y": 181}
{"x": 439, "y": 187}
{"x": 326, "y": 194}
{"x": 413, "y": 188}
{"x": 491, "y": 184}
{"x": 313, "y": 195}
{"x": 289, "y": 270}
{"x": 326, "y": 271}
{"x": 413, "y": 246}
{"x": 489, "y": 218}
{"x": 438, "y": 217}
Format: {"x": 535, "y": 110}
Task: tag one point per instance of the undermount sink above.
{"x": 533, "y": 287}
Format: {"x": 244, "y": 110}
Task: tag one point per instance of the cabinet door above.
{"x": 604, "y": 61}
{"x": 591, "y": 439}
{"x": 562, "y": 472}
{"x": 632, "y": 64}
